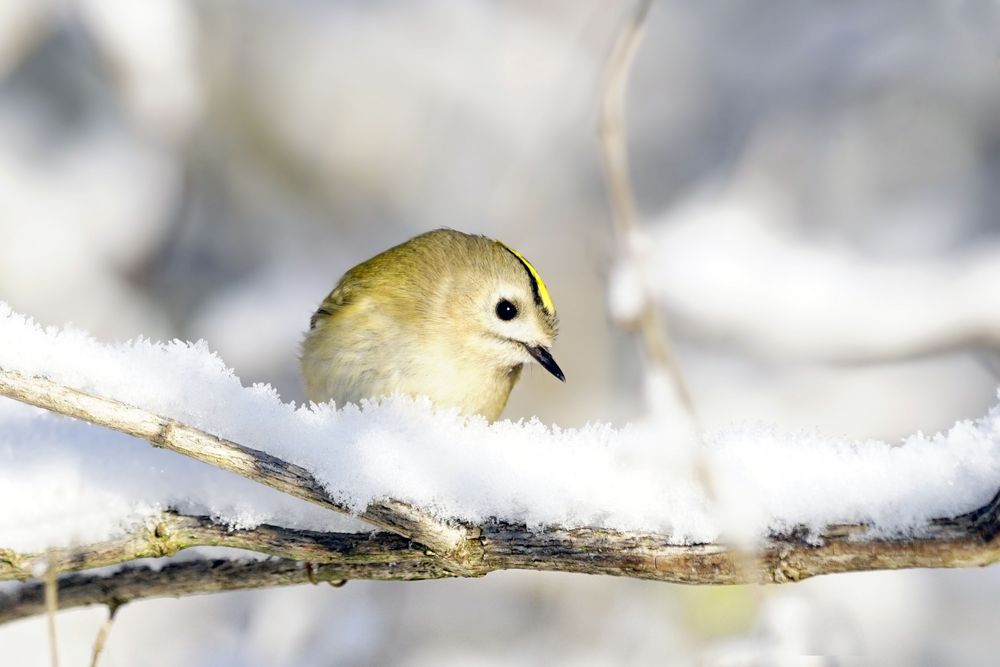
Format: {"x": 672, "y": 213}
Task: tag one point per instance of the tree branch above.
{"x": 653, "y": 331}
{"x": 171, "y": 532}
{"x": 447, "y": 541}
{"x": 963, "y": 541}
{"x": 969, "y": 540}
{"x": 139, "y": 582}
{"x": 596, "y": 552}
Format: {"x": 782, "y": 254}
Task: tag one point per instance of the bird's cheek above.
{"x": 515, "y": 355}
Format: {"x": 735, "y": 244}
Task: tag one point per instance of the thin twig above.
{"x": 102, "y": 634}
{"x": 51, "y": 607}
{"x": 197, "y": 577}
{"x": 614, "y": 143}
{"x": 613, "y": 133}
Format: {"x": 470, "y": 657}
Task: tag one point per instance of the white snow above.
{"x": 63, "y": 481}
{"x": 727, "y": 268}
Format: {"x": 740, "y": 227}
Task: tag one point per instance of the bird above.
{"x": 446, "y": 315}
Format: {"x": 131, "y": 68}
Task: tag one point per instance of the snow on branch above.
{"x": 251, "y": 463}
{"x": 965, "y": 541}
{"x": 454, "y": 496}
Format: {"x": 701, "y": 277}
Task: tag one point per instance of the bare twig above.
{"x": 613, "y": 134}
{"x": 102, "y": 634}
{"x": 173, "y": 580}
{"x": 51, "y": 587}
{"x": 614, "y": 143}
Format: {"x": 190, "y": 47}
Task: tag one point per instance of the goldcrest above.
{"x": 446, "y": 315}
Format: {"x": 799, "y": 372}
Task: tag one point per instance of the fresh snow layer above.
{"x": 64, "y": 481}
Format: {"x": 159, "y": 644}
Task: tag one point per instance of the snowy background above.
{"x": 818, "y": 186}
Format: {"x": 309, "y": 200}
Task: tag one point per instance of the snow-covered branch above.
{"x": 453, "y": 496}
{"x": 393, "y": 516}
{"x": 964, "y": 541}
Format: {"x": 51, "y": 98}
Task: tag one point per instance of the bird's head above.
{"x": 509, "y": 312}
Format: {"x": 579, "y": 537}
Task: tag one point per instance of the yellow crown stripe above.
{"x": 541, "y": 291}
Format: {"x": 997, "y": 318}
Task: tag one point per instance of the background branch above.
{"x": 614, "y": 152}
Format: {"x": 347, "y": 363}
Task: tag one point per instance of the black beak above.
{"x": 543, "y": 357}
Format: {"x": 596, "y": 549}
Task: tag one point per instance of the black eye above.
{"x": 506, "y": 310}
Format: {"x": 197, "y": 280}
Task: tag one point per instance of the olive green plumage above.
{"x": 446, "y": 315}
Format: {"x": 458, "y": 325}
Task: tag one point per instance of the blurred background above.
{"x": 817, "y": 183}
